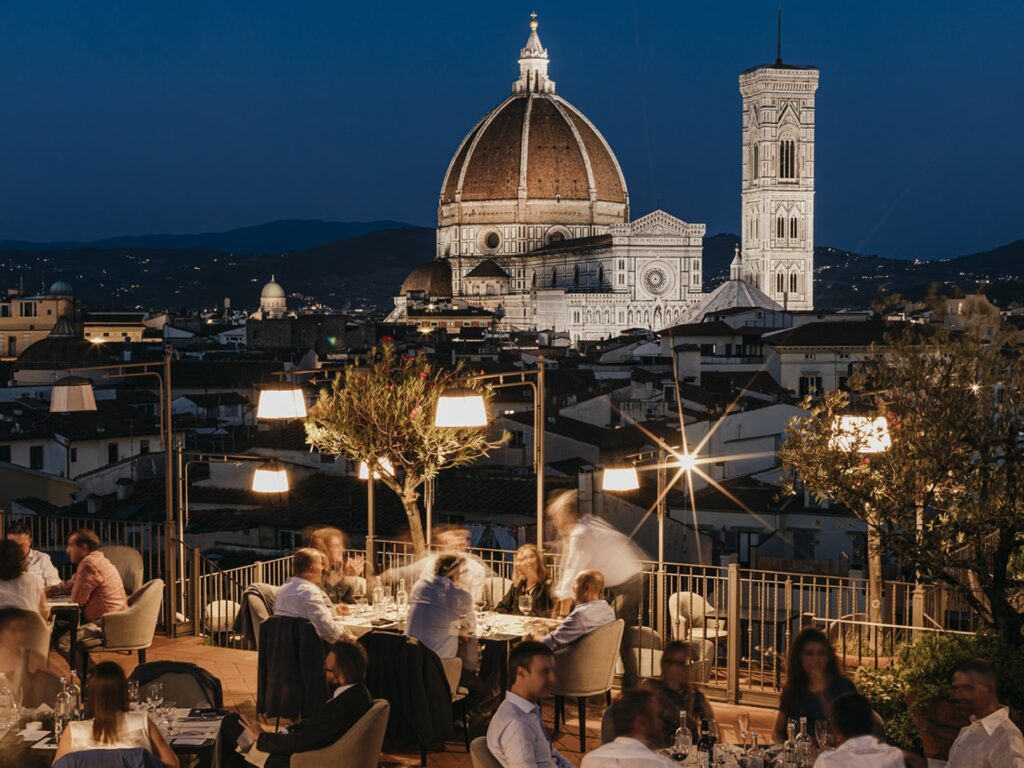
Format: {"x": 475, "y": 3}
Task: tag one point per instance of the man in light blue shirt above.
{"x": 591, "y": 611}
{"x": 36, "y": 562}
{"x": 515, "y": 736}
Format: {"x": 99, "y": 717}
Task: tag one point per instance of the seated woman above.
{"x": 18, "y": 587}
{"x": 675, "y": 693}
{"x": 531, "y": 578}
{"x": 337, "y": 580}
{"x": 109, "y": 724}
{"x": 25, "y": 668}
{"x": 813, "y": 680}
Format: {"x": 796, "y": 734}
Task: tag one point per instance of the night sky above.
{"x": 128, "y": 118}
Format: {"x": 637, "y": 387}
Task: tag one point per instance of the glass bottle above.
{"x": 61, "y": 709}
{"x": 804, "y": 746}
{"x": 755, "y": 757}
{"x": 74, "y": 697}
{"x": 682, "y": 741}
{"x": 9, "y": 714}
{"x": 378, "y": 597}
{"x": 705, "y": 747}
{"x": 788, "y": 756}
{"x": 402, "y": 600}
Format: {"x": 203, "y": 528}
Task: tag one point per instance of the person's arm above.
{"x": 61, "y": 587}
{"x": 160, "y": 747}
{"x": 85, "y": 581}
{"x": 779, "y": 731}
{"x": 570, "y": 629}
{"x": 573, "y": 564}
{"x": 321, "y": 615}
{"x": 508, "y": 603}
{"x": 51, "y": 578}
{"x": 516, "y": 741}
{"x": 315, "y": 732}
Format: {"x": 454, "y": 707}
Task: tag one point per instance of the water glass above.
{"x": 743, "y": 723}
{"x": 154, "y": 695}
{"x": 823, "y": 733}
{"x": 526, "y": 604}
{"x": 133, "y": 695}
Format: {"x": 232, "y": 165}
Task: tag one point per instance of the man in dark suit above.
{"x": 345, "y": 668}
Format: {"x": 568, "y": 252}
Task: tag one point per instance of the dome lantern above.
{"x": 533, "y": 65}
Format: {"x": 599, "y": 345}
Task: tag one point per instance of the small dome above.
{"x": 272, "y": 290}
{"x": 434, "y": 279}
{"x": 60, "y": 288}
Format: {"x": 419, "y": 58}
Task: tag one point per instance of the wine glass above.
{"x": 133, "y": 695}
{"x": 681, "y": 744}
{"x": 526, "y": 604}
{"x": 154, "y": 695}
{"x": 822, "y": 733}
{"x": 743, "y": 723}
{"x": 167, "y": 717}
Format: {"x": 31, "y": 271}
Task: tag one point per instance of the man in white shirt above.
{"x": 635, "y": 718}
{"x": 302, "y": 598}
{"x": 591, "y": 611}
{"x": 991, "y": 740}
{"x": 36, "y": 562}
{"x": 515, "y": 736}
{"x": 592, "y": 544}
{"x": 852, "y": 724}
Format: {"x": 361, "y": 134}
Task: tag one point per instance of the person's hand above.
{"x": 341, "y": 609}
{"x": 252, "y": 728}
{"x": 54, "y": 590}
{"x": 355, "y": 565}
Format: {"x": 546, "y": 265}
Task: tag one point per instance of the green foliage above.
{"x": 886, "y": 690}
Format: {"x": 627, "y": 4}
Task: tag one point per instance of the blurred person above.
{"x": 20, "y": 663}
{"x": 36, "y": 562}
{"x": 18, "y": 587}
{"x": 108, "y": 722}
{"x": 591, "y": 611}
{"x": 852, "y": 723}
{"x": 813, "y": 681}
{"x": 675, "y": 693}
{"x": 455, "y": 539}
{"x": 531, "y": 578}
{"x": 337, "y": 581}
{"x": 992, "y": 740}
{"x": 345, "y": 670}
{"x": 515, "y": 735}
{"x": 635, "y": 719}
{"x": 592, "y": 544}
{"x": 301, "y": 597}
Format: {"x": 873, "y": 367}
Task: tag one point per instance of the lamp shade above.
{"x": 270, "y": 477}
{"x": 72, "y": 394}
{"x": 620, "y": 479}
{"x": 461, "y": 407}
{"x": 863, "y": 434}
{"x": 282, "y": 403}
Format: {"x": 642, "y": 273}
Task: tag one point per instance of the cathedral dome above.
{"x": 433, "y": 279}
{"x": 272, "y": 290}
{"x": 60, "y": 288}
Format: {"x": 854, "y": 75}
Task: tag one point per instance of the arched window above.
{"x": 554, "y": 277}
{"x": 756, "y": 161}
{"x": 787, "y": 159}
{"x": 792, "y": 227}
{"x": 576, "y": 275}
{"x": 780, "y": 227}
{"x": 780, "y": 283}
{"x": 792, "y": 282}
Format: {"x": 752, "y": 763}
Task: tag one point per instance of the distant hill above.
{"x": 274, "y": 237}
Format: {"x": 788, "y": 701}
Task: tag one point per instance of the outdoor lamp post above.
{"x": 371, "y": 513}
{"x": 463, "y": 407}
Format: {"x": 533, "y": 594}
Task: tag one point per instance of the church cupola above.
{"x": 533, "y": 65}
{"x": 736, "y": 268}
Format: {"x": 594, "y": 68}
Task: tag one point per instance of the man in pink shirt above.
{"x": 96, "y": 584}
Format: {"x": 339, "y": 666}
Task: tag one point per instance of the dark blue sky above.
{"x": 124, "y": 118}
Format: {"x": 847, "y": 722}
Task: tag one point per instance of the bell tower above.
{"x": 778, "y": 181}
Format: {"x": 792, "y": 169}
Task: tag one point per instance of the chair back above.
{"x": 133, "y": 628}
{"x": 481, "y": 755}
{"x": 37, "y": 633}
{"x": 587, "y": 666}
{"x": 360, "y": 747}
{"x": 128, "y": 563}
{"x": 689, "y": 606}
{"x": 186, "y": 684}
{"x": 219, "y": 616}
{"x": 493, "y": 589}
{"x": 290, "y": 669}
{"x": 257, "y": 608}
{"x": 452, "y": 671}
{"x": 110, "y": 758}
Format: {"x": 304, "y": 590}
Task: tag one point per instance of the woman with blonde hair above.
{"x": 338, "y": 581}
{"x": 530, "y": 578}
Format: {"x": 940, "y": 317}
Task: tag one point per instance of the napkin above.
{"x": 43, "y": 709}
{"x": 33, "y": 734}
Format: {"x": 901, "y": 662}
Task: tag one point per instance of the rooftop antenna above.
{"x": 778, "y": 40}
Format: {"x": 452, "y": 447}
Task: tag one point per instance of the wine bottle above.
{"x": 705, "y": 747}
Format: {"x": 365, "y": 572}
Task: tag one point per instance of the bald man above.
{"x": 591, "y": 611}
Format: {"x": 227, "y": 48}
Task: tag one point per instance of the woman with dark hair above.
{"x": 813, "y": 680}
{"x": 531, "y": 578}
{"x": 109, "y": 724}
{"x": 675, "y": 693}
{"x": 18, "y": 587}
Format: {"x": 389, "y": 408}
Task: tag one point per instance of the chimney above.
{"x": 125, "y": 488}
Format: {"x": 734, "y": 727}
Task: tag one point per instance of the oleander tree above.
{"x": 385, "y": 410}
{"x": 946, "y": 498}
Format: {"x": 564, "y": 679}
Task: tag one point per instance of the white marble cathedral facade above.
{"x": 533, "y": 223}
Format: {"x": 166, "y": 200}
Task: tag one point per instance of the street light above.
{"x": 281, "y": 402}
{"x": 72, "y": 394}
{"x": 460, "y": 407}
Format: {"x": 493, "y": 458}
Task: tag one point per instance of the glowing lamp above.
{"x": 863, "y": 434}
{"x": 72, "y": 394}
{"x": 620, "y": 479}
{"x": 282, "y": 403}
{"x": 461, "y": 407}
{"x": 270, "y": 477}
{"x": 384, "y": 463}
{"x": 686, "y": 461}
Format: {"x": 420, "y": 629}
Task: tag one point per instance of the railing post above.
{"x": 734, "y": 637}
{"x": 197, "y": 601}
{"x": 917, "y": 608}
{"x": 258, "y": 572}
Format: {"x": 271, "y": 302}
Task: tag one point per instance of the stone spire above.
{"x": 736, "y": 268}
{"x": 533, "y": 65}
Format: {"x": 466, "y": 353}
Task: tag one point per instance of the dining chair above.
{"x": 128, "y": 563}
{"x": 360, "y": 747}
{"x": 131, "y": 629}
{"x": 481, "y": 755}
{"x": 693, "y": 618}
{"x": 453, "y": 671}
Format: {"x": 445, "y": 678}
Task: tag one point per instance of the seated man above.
{"x": 96, "y": 585}
{"x": 591, "y": 611}
{"x": 36, "y": 562}
{"x": 635, "y": 717}
{"x": 301, "y": 597}
{"x": 852, "y": 723}
{"x": 991, "y": 740}
{"x": 345, "y": 668}
{"x": 516, "y": 735}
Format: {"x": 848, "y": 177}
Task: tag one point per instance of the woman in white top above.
{"x": 18, "y": 587}
{"x": 109, "y": 724}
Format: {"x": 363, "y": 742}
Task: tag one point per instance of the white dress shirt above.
{"x": 595, "y": 545}
{"x": 438, "y": 611}
{"x": 303, "y": 599}
{"x": 625, "y": 752}
{"x": 989, "y": 742}
{"x": 516, "y": 738}
{"x": 585, "y": 618}
{"x": 860, "y": 752}
{"x": 40, "y": 564}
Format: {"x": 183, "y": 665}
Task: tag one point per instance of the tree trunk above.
{"x": 412, "y": 514}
